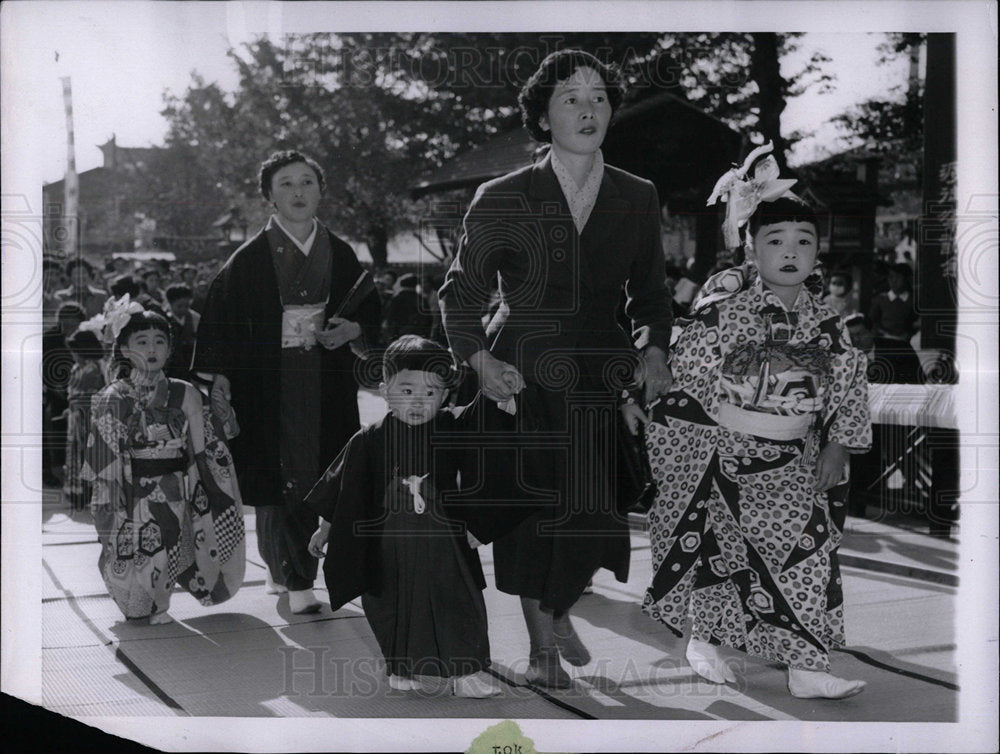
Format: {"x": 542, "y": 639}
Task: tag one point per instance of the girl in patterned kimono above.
{"x": 165, "y": 500}
{"x": 85, "y": 379}
{"x": 750, "y": 453}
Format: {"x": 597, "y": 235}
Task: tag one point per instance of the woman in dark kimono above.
{"x": 563, "y": 237}
{"x": 271, "y": 338}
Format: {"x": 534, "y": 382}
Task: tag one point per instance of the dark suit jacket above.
{"x": 560, "y": 288}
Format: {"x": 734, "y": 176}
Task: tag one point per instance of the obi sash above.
{"x": 299, "y": 324}
{"x": 771, "y": 426}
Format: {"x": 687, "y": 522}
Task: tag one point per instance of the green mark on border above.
{"x": 502, "y": 738}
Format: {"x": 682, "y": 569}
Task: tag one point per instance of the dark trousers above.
{"x": 283, "y": 533}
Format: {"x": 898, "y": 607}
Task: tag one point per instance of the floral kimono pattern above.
{"x": 164, "y": 515}
{"x": 741, "y": 540}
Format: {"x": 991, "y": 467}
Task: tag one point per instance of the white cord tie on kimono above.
{"x": 413, "y": 484}
{"x": 742, "y": 196}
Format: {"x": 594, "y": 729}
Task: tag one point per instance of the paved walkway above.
{"x": 251, "y": 658}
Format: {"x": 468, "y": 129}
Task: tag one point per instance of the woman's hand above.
{"x": 220, "y": 395}
{"x": 654, "y": 373}
{"x": 338, "y": 331}
{"x": 830, "y": 466}
{"x": 633, "y": 415}
{"x": 317, "y": 542}
{"x": 498, "y": 380}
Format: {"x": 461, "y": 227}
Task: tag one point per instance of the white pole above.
{"x": 71, "y": 183}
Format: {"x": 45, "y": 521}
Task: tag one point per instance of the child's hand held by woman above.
{"x": 654, "y": 373}
{"x": 633, "y": 416}
{"x": 499, "y": 380}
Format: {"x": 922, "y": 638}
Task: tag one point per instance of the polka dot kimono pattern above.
{"x": 742, "y": 543}
{"x": 164, "y": 515}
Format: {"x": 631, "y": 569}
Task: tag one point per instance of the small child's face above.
{"x": 147, "y": 350}
{"x": 785, "y": 253}
{"x": 414, "y": 396}
{"x": 180, "y": 307}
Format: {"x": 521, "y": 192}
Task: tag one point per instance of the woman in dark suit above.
{"x": 561, "y": 239}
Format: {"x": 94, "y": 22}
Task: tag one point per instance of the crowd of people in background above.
{"x": 73, "y": 299}
{"x": 75, "y": 292}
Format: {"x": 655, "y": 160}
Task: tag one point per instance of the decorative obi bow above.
{"x": 117, "y": 313}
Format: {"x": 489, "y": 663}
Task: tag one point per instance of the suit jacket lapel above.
{"x": 549, "y": 204}
{"x": 610, "y": 210}
{"x": 597, "y": 240}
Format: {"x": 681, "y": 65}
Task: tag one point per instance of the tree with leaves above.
{"x": 379, "y": 109}
{"x": 891, "y": 126}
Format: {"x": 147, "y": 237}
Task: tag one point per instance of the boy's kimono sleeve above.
{"x": 322, "y": 499}
{"x": 344, "y": 496}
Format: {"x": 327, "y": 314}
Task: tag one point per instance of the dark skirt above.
{"x": 566, "y": 441}
{"x": 429, "y": 616}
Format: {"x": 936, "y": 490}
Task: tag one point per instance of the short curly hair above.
{"x": 279, "y": 160}
{"x": 559, "y": 66}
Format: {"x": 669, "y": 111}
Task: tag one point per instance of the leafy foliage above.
{"x": 892, "y": 127}
{"x": 378, "y": 109}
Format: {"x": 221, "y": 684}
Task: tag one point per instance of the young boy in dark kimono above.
{"x": 382, "y": 503}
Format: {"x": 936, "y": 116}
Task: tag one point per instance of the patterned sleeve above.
{"x": 848, "y": 417}
{"x": 106, "y": 453}
{"x": 696, "y": 357}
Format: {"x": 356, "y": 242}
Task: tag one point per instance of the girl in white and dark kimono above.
{"x": 750, "y": 453}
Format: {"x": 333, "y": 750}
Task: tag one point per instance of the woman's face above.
{"x": 147, "y": 350}
{"x": 785, "y": 253}
{"x": 578, "y": 113}
{"x": 295, "y": 192}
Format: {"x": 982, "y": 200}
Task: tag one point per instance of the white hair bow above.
{"x": 117, "y": 313}
{"x": 742, "y": 195}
